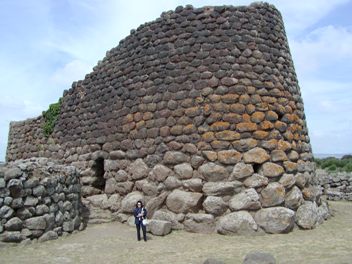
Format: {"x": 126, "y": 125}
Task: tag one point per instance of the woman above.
{"x": 140, "y": 213}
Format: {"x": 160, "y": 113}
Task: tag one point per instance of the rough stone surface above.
{"x": 246, "y": 200}
{"x": 256, "y": 155}
{"x": 215, "y": 205}
{"x": 242, "y": 170}
{"x": 129, "y": 202}
{"x": 275, "y": 220}
{"x": 237, "y": 223}
{"x": 307, "y": 215}
{"x": 273, "y": 194}
{"x": 159, "y": 227}
{"x": 199, "y": 223}
{"x": 221, "y": 188}
{"x": 213, "y": 172}
{"x": 182, "y": 202}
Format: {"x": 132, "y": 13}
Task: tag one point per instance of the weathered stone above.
{"x": 110, "y": 186}
{"x": 275, "y": 220}
{"x": 229, "y": 156}
{"x": 155, "y": 204}
{"x": 130, "y": 200}
{"x": 221, "y": 188}
{"x": 194, "y": 185}
{"x": 12, "y": 173}
{"x": 50, "y": 235}
{"x": 213, "y": 261}
{"x": 39, "y": 191}
{"x": 123, "y": 188}
{"x": 169, "y": 216}
{"x": 15, "y": 187}
{"x": 172, "y": 183}
{"x": 121, "y": 176}
{"x": 14, "y": 224}
{"x": 2, "y": 183}
{"x": 35, "y": 223}
{"x": 175, "y": 157}
{"x": 159, "y": 173}
{"x": 213, "y": 172}
{"x": 199, "y": 223}
{"x": 12, "y": 237}
{"x": 214, "y": 205}
{"x": 287, "y": 180}
{"x": 98, "y": 200}
{"x": 301, "y": 179}
{"x": 245, "y": 200}
{"x": 237, "y": 223}
{"x": 307, "y": 215}
{"x": 270, "y": 169}
{"x": 6, "y": 212}
{"x": 182, "y": 202}
{"x": 256, "y": 155}
{"x": 41, "y": 209}
{"x": 159, "y": 227}
{"x": 113, "y": 203}
{"x": 278, "y": 155}
{"x": 184, "y": 171}
{"x": 68, "y": 226}
{"x": 256, "y": 180}
{"x": 241, "y": 170}
{"x": 294, "y": 198}
{"x": 210, "y": 155}
{"x": 17, "y": 203}
{"x": 259, "y": 258}
{"x": 138, "y": 169}
{"x": 273, "y": 194}
{"x": 31, "y": 201}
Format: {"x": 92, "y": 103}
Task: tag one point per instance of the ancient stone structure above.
{"x": 336, "y": 186}
{"x": 38, "y": 199}
{"x": 197, "y": 113}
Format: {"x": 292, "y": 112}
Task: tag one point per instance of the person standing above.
{"x": 140, "y": 213}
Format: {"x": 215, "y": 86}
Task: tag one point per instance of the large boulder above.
{"x": 294, "y": 198}
{"x": 307, "y": 215}
{"x": 138, "y": 169}
{"x": 97, "y": 200}
{"x": 14, "y": 224}
{"x": 273, "y": 194}
{"x": 241, "y": 170}
{"x": 129, "y": 202}
{"x": 159, "y": 227}
{"x": 199, "y": 223}
{"x": 168, "y": 216}
{"x": 155, "y": 203}
{"x": 182, "y": 202}
{"x": 35, "y": 223}
{"x": 237, "y": 223}
{"x": 175, "y": 157}
{"x": 246, "y": 200}
{"x": 159, "y": 173}
{"x": 275, "y": 220}
{"x": 270, "y": 169}
{"x": 12, "y": 236}
{"x": 215, "y": 205}
{"x": 50, "y": 235}
{"x": 222, "y": 188}
{"x": 213, "y": 172}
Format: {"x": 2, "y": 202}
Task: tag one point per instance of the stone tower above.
{"x": 197, "y": 113}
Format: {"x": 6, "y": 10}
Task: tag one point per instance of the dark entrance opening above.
{"x": 256, "y": 167}
{"x": 98, "y": 168}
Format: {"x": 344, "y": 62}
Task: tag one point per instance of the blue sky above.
{"x": 47, "y": 44}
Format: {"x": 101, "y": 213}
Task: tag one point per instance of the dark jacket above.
{"x": 138, "y": 220}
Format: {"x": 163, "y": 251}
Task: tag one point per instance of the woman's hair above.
{"x": 138, "y": 203}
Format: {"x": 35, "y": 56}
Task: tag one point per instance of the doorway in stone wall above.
{"x": 98, "y": 168}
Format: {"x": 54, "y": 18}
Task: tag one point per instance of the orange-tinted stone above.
{"x": 227, "y": 135}
{"x": 245, "y": 127}
{"x": 257, "y": 117}
{"x": 219, "y": 126}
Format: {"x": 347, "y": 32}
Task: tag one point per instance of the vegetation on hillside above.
{"x": 50, "y": 117}
{"x": 333, "y": 164}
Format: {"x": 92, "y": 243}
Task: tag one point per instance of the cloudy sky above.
{"x": 47, "y": 44}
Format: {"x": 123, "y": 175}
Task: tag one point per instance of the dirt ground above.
{"x": 116, "y": 243}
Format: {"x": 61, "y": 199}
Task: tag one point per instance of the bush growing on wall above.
{"x": 50, "y": 117}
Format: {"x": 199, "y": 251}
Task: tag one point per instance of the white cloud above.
{"x": 324, "y": 47}
{"x": 72, "y": 71}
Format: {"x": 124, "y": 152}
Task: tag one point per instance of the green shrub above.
{"x": 334, "y": 164}
{"x": 50, "y": 117}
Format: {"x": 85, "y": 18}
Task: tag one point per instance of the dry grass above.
{"x": 116, "y": 243}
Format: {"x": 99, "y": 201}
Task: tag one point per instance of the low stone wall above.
{"x": 336, "y": 186}
{"x": 39, "y": 199}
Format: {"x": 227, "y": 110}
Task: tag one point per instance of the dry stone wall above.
{"x": 197, "y": 113}
{"x": 38, "y": 200}
{"x": 336, "y": 186}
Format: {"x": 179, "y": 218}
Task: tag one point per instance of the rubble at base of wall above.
{"x": 39, "y": 199}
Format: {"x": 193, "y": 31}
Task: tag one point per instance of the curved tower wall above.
{"x": 197, "y": 99}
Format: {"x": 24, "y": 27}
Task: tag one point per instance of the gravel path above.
{"x": 116, "y": 243}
